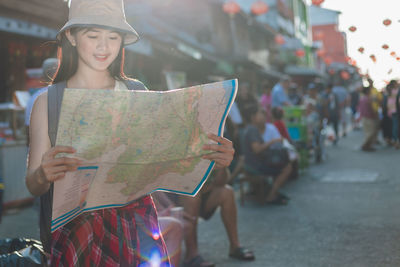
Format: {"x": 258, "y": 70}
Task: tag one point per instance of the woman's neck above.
{"x": 91, "y": 80}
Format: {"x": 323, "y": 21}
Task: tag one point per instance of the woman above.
{"x": 91, "y": 56}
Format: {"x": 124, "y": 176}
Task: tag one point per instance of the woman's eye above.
{"x": 92, "y": 36}
{"x": 114, "y": 38}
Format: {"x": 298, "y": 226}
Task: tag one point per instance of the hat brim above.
{"x": 131, "y": 36}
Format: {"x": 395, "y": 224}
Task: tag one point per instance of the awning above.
{"x": 302, "y": 71}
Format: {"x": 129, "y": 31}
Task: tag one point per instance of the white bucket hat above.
{"x": 100, "y": 13}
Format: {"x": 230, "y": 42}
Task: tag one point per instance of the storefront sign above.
{"x": 26, "y": 28}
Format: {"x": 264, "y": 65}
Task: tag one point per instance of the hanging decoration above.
{"x": 279, "y": 39}
{"x": 373, "y": 58}
{"x": 387, "y": 22}
{"x": 319, "y": 35}
{"x": 300, "y": 53}
{"x": 393, "y": 54}
{"x": 317, "y": 2}
{"x": 331, "y": 71}
{"x": 361, "y": 50}
{"x": 328, "y": 61}
{"x": 352, "y": 28}
{"x": 231, "y": 7}
{"x": 385, "y": 46}
{"x": 398, "y": 58}
{"x": 259, "y": 7}
{"x": 321, "y": 52}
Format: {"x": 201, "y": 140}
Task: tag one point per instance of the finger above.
{"x": 57, "y": 176}
{"x": 219, "y": 139}
{"x": 215, "y": 156}
{"x": 62, "y": 168}
{"x": 65, "y": 161}
{"x": 220, "y": 148}
{"x": 60, "y": 149}
{"x": 221, "y": 164}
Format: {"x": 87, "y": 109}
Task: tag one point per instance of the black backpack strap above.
{"x": 54, "y": 99}
{"x": 135, "y": 85}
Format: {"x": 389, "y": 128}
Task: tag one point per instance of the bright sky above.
{"x": 368, "y": 16}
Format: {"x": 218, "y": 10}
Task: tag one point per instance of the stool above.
{"x": 260, "y": 183}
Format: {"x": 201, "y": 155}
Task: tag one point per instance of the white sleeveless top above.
{"x": 120, "y": 86}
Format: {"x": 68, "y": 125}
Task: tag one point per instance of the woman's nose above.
{"x": 103, "y": 43}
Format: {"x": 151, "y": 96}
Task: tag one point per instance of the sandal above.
{"x": 242, "y": 254}
{"x": 283, "y": 196}
{"x": 279, "y": 200}
{"x": 198, "y": 261}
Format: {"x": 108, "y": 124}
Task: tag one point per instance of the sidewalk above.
{"x": 343, "y": 212}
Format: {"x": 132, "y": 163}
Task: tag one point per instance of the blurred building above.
{"x": 325, "y": 32}
{"x": 25, "y": 26}
{"x": 332, "y": 45}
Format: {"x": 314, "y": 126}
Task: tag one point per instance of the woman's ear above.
{"x": 70, "y": 37}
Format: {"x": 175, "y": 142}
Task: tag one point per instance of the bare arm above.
{"x": 260, "y": 147}
{"x": 43, "y": 168}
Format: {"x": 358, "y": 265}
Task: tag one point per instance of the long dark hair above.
{"x": 68, "y": 58}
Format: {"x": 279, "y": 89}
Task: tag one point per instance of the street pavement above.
{"x": 343, "y": 212}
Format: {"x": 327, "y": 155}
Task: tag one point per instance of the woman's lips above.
{"x": 101, "y": 57}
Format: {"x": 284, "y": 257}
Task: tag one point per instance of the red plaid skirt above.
{"x": 127, "y": 236}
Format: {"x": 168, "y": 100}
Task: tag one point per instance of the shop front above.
{"x": 27, "y": 34}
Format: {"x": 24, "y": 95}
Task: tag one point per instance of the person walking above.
{"x": 368, "y": 116}
{"x": 331, "y": 108}
{"x": 91, "y": 53}
{"x": 279, "y": 93}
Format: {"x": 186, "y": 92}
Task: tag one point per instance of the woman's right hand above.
{"x": 53, "y": 168}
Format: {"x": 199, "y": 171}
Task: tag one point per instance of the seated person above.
{"x": 215, "y": 193}
{"x": 255, "y": 147}
{"x": 277, "y": 119}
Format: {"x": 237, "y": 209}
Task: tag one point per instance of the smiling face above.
{"x": 97, "y": 48}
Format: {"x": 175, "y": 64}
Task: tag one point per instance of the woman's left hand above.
{"x": 224, "y": 151}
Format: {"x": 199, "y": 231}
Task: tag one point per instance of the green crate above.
{"x": 294, "y": 112}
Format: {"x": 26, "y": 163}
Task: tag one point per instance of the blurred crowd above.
{"x": 267, "y": 147}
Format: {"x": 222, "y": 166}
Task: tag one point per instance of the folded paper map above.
{"x": 135, "y": 142}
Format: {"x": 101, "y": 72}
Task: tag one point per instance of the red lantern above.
{"x": 393, "y": 54}
{"x": 345, "y": 75}
{"x": 387, "y": 22}
{"x": 353, "y": 28}
{"x": 385, "y": 46}
{"x": 300, "y": 53}
{"x": 353, "y": 63}
{"x": 361, "y": 50}
{"x": 328, "y": 61}
{"x": 373, "y": 58}
{"x": 231, "y": 7}
{"x": 321, "y": 53}
{"x": 319, "y": 35}
{"x": 317, "y": 2}
{"x": 259, "y": 8}
{"x": 279, "y": 39}
{"x": 398, "y": 58}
